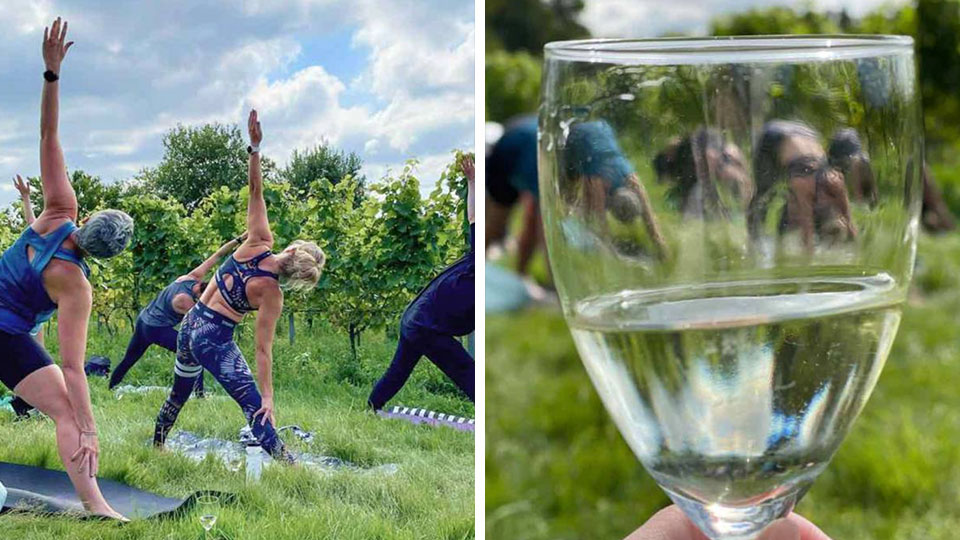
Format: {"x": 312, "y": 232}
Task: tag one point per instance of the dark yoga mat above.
{"x": 50, "y": 491}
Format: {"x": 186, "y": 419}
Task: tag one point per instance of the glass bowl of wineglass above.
{"x": 208, "y": 505}
{"x": 731, "y": 226}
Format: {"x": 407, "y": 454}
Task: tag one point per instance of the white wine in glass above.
{"x": 731, "y": 225}
{"x": 208, "y": 506}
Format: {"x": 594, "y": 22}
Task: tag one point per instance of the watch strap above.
{"x": 50, "y": 76}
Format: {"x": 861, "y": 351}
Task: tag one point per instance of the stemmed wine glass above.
{"x": 208, "y": 506}
{"x": 731, "y": 226}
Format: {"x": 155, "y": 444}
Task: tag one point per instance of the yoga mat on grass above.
{"x": 49, "y": 491}
{"x": 433, "y": 418}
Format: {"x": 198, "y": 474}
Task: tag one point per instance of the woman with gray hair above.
{"x": 44, "y": 272}
{"x": 249, "y": 280}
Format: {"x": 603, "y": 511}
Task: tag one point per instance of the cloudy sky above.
{"x": 647, "y": 18}
{"x": 388, "y": 80}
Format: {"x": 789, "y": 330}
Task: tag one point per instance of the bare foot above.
{"x": 107, "y": 511}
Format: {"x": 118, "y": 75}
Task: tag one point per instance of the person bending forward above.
{"x": 443, "y": 310}
{"x": 156, "y": 323}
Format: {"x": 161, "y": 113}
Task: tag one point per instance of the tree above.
{"x": 92, "y": 194}
{"x": 323, "y": 162}
{"x": 513, "y": 84}
{"x": 529, "y": 24}
{"x": 199, "y": 160}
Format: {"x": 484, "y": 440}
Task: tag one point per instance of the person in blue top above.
{"x": 443, "y": 310}
{"x": 21, "y": 407}
{"x": 44, "y": 272}
{"x": 599, "y": 178}
{"x": 511, "y": 177}
{"x": 156, "y": 323}
{"x": 249, "y": 280}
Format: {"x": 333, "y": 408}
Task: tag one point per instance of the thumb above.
{"x": 781, "y": 529}
{"x": 67, "y": 47}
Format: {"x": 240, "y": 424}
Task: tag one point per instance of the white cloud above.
{"x": 27, "y": 17}
{"x": 139, "y": 69}
{"x": 416, "y": 46}
{"x": 304, "y": 110}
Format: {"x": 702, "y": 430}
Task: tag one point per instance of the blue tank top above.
{"x": 514, "y": 156}
{"x": 242, "y": 271}
{"x": 160, "y": 312}
{"x": 592, "y": 150}
{"x": 24, "y": 302}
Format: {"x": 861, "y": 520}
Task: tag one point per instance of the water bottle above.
{"x": 254, "y": 462}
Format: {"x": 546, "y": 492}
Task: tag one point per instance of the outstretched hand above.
{"x": 55, "y": 45}
{"x": 253, "y": 127}
{"x": 22, "y": 186}
{"x": 671, "y": 524}
{"x": 466, "y": 165}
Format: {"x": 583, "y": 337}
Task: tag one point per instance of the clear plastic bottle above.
{"x": 254, "y": 462}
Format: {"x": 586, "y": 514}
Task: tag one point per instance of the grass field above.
{"x": 318, "y": 387}
{"x": 557, "y": 468}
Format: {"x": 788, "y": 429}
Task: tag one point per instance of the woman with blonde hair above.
{"x": 249, "y": 280}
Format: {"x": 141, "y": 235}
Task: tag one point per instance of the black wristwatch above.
{"x": 50, "y": 76}
{"x": 253, "y": 149}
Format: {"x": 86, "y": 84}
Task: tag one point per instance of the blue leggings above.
{"x": 145, "y": 335}
{"x": 444, "y": 351}
{"x": 206, "y": 342}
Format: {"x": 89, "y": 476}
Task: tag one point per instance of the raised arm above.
{"x": 271, "y": 305}
{"x": 258, "y": 226}
{"x": 24, "y": 189}
{"x": 200, "y": 271}
{"x": 58, "y": 195}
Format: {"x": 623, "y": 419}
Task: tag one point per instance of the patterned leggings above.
{"x": 206, "y": 342}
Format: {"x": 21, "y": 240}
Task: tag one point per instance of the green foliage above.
{"x": 934, "y": 25}
{"x": 558, "y": 468}
{"x": 431, "y": 496}
{"x": 383, "y": 242}
{"x": 92, "y": 194}
{"x": 323, "y": 162}
{"x": 513, "y": 84}
{"x": 774, "y": 20}
{"x": 383, "y": 249}
{"x": 529, "y": 24}
{"x": 199, "y": 160}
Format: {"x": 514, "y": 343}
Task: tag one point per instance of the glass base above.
{"x": 721, "y": 522}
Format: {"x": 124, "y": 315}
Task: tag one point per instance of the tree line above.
{"x": 384, "y": 241}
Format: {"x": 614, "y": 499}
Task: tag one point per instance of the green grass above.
{"x": 319, "y": 387}
{"x": 557, "y": 467}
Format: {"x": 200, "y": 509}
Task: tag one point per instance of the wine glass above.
{"x": 731, "y": 226}
{"x": 208, "y": 505}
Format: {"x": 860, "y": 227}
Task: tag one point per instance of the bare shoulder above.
{"x": 47, "y": 222}
{"x": 250, "y": 249}
{"x": 264, "y": 291}
{"x": 63, "y": 278}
